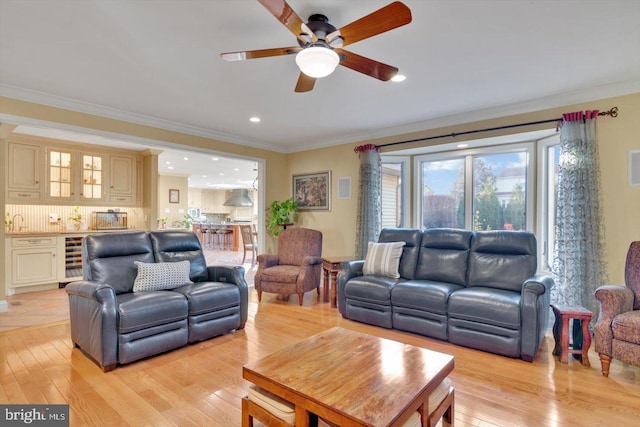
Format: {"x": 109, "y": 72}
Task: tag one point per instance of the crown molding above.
{"x": 543, "y": 103}
{"x": 50, "y": 100}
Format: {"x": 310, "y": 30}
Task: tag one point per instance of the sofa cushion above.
{"x": 180, "y": 245}
{"x": 501, "y": 259}
{"x": 383, "y": 259}
{"x": 423, "y": 295}
{"x": 109, "y": 258}
{"x": 370, "y": 288}
{"x": 411, "y": 237}
{"x": 443, "y": 256}
{"x": 486, "y": 305}
{"x": 281, "y": 274}
{"x": 204, "y": 297}
{"x": 161, "y": 275}
{"x": 147, "y": 309}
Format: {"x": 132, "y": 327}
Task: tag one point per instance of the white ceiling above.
{"x": 158, "y": 63}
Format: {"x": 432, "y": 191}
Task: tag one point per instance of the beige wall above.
{"x": 616, "y": 138}
{"x": 174, "y": 211}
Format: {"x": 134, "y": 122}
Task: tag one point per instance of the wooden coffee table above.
{"x": 351, "y": 378}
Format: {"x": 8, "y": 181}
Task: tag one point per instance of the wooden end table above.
{"x": 581, "y": 318}
{"x": 330, "y": 269}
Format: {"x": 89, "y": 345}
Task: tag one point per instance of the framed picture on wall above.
{"x": 313, "y": 191}
{"x": 174, "y": 196}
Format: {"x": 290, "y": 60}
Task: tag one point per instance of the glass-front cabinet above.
{"x": 60, "y": 174}
{"x": 74, "y": 176}
{"x": 92, "y": 177}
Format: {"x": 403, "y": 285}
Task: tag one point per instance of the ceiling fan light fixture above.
{"x": 317, "y": 61}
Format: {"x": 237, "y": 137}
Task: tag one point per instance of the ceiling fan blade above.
{"x": 391, "y": 16}
{"x": 261, "y": 53}
{"x": 289, "y": 18}
{"x": 366, "y": 66}
{"x": 305, "y": 83}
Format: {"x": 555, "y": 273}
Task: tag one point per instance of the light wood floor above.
{"x": 201, "y": 384}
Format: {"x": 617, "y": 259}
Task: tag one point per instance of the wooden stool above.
{"x": 274, "y": 411}
{"x": 561, "y": 330}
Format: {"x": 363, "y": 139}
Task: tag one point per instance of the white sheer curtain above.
{"x": 369, "y": 204}
{"x": 578, "y": 261}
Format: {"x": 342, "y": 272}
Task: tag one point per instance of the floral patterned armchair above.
{"x": 296, "y": 268}
{"x": 617, "y": 332}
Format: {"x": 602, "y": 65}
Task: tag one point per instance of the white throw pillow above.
{"x": 383, "y": 259}
{"x": 161, "y": 275}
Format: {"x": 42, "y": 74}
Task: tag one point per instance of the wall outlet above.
{"x": 53, "y": 218}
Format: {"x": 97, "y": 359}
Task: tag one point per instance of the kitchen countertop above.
{"x": 61, "y": 232}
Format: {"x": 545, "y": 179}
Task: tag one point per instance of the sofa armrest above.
{"x": 267, "y": 260}
{"x": 535, "y": 300}
{"x": 93, "y": 315}
{"x": 349, "y": 269}
{"x": 613, "y": 300}
{"x": 233, "y": 274}
{"x": 311, "y": 260}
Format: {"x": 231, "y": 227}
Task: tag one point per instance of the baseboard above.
{"x": 4, "y": 306}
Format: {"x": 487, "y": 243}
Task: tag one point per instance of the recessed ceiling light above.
{"x": 221, "y": 174}
{"x": 168, "y": 162}
{"x": 170, "y": 168}
{"x": 254, "y": 119}
{"x": 204, "y": 176}
{"x": 215, "y": 158}
{"x": 462, "y": 145}
{"x": 236, "y": 169}
{"x": 186, "y": 158}
{"x": 398, "y": 78}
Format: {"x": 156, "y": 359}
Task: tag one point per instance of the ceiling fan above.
{"x": 320, "y": 44}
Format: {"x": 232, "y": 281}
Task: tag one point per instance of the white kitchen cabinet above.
{"x": 23, "y": 172}
{"x": 195, "y": 197}
{"x": 122, "y": 179}
{"x": 33, "y": 260}
{"x": 213, "y": 201}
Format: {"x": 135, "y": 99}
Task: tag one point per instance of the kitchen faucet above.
{"x": 13, "y": 222}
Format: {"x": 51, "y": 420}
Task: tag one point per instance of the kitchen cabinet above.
{"x": 23, "y": 172}
{"x": 71, "y": 173}
{"x": 195, "y": 197}
{"x": 213, "y": 201}
{"x": 122, "y": 179}
{"x": 33, "y": 260}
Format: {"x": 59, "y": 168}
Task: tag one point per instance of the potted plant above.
{"x": 7, "y": 221}
{"x": 280, "y": 214}
{"x": 76, "y": 218}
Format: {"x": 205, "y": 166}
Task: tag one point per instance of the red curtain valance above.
{"x": 579, "y": 116}
{"x": 367, "y": 147}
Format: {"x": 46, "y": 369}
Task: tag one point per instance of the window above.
{"x": 395, "y": 192}
{"x": 481, "y": 189}
{"x": 549, "y": 155}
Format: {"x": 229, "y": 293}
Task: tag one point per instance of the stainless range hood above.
{"x": 240, "y": 198}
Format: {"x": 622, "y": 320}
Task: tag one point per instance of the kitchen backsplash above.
{"x": 37, "y": 217}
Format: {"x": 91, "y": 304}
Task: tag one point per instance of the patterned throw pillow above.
{"x": 161, "y": 275}
{"x": 383, "y": 259}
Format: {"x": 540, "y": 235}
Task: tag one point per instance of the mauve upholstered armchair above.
{"x": 617, "y": 332}
{"x": 296, "y": 268}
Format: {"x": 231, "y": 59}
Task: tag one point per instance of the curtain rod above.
{"x": 612, "y": 112}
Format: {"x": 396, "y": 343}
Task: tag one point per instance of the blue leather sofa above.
{"x": 475, "y": 289}
{"x": 114, "y": 325}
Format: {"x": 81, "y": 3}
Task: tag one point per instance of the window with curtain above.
{"x": 481, "y": 189}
